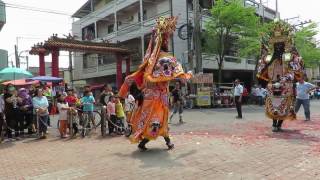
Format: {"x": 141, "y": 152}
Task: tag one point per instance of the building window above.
{"x": 89, "y": 61}
{"x": 144, "y": 15}
{"x": 88, "y": 33}
{"x": 104, "y": 59}
{"x": 110, "y": 28}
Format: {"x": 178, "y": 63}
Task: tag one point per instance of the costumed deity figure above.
{"x": 150, "y": 118}
{"x": 280, "y": 71}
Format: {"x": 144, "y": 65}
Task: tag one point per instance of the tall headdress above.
{"x": 161, "y": 32}
{"x": 164, "y": 27}
{"x": 281, "y": 32}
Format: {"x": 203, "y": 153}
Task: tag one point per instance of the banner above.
{"x": 203, "y": 98}
{"x": 202, "y": 79}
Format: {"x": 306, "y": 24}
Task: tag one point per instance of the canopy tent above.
{"x": 46, "y": 79}
{"x": 20, "y": 82}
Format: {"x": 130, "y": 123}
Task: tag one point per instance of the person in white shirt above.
{"x": 63, "y": 109}
{"x": 129, "y": 106}
{"x": 261, "y": 94}
{"x": 238, "y": 91}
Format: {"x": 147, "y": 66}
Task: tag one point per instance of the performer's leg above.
{"x": 180, "y": 113}
{"x": 168, "y": 142}
{"x": 274, "y": 125}
{"x": 142, "y": 144}
{"x": 175, "y": 110}
{"x": 279, "y": 124}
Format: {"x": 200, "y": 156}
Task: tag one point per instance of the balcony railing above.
{"x": 108, "y": 67}
{"x": 129, "y": 29}
{"x": 105, "y": 11}
{"x": 90, "y": 70}
{"x": 132, "y": 28}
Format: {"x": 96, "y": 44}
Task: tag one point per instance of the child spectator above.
{"x": 71, "y": 99}
{"x": 111, "y": 114}
{"x": 120, "y": 115}
{"x": 63, "y": 109}
{"x": 88, "y": 102}
{"x": 106, "y": 93}
{"x": 129, "y": 106}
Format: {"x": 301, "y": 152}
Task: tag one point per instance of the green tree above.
{"x": 250, "y": 46}
{"x": 230, "y": 22}
{"x": 306, "y": 44}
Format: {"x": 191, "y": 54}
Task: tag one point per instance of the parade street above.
{"x": 212, "y": 144}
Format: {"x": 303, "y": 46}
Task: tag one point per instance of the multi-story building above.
{"x": 2, "y": 14}
{"x": 3, "y": 53}
{"x": 130, "y": 22}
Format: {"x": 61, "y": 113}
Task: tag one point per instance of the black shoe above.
{"x": 275, "y": 129}
{"x": 142, "y": 147}
{"x": 238, "y": 117}
{"x": 170, "y": 146}
{"x": 280, "y": 129}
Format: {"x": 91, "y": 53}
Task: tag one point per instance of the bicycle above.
{"x": 80, "y": 118}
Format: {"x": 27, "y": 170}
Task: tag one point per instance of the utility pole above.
{"x": 16, "y": 56}
{"x": 189, "y": 35}
{"x": 262, "y": 6}
{"x": 71, "y": 69}
{"x": 277, "y": 10}
{"x": 141, "y": 29}
{"x": 197, "y": 35}
{"x": 27, "y": 61}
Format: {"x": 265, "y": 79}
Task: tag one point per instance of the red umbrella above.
{"x": 20, "y": 82}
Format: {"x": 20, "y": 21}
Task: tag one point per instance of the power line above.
{"x": 36, "y": 9}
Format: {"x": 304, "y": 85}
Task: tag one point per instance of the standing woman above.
{"x": 40, "y": 105}
{"x": 12, "y": 111}
{"x": 26, "y": 110}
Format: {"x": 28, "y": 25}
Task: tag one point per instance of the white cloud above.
{"x": 32, "y": 27}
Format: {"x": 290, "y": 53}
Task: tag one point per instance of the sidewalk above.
{"x": 212, "y": 144}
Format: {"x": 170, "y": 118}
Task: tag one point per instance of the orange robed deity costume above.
{"x": 150, "y": 119}
{"x": 280, "y": 70}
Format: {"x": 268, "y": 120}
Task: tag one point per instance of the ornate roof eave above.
{"x": 70, "y": 44}
{"x": 36, "y": 50}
